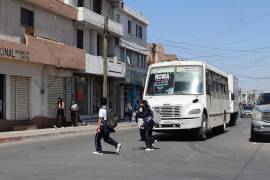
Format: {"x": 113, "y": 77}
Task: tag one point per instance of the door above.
{"x": 56, "y": 87}
{"x": 19, "y": 97}
{"x": 1, "y": 96}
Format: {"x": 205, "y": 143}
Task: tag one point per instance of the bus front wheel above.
{"x": 202, "y": 131}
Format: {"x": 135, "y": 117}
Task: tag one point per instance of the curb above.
{"x": 17, "y": 136}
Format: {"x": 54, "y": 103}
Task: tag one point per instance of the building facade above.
{"x": 133, "y": 52}
{"x": 37, "y": 61}
{"x": 51, "y": 49}
{"x": 158, "y": 54}
{"x": 127, "y": 51}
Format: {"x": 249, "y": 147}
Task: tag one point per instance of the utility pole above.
{"x": 105, "y": 56}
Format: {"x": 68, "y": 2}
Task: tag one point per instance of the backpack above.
{"x": 112, "y": 119}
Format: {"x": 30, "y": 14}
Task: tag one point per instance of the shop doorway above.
{"x": 1, "y": 96}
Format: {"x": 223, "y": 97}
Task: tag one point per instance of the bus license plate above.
{"x": 168, "y": 122}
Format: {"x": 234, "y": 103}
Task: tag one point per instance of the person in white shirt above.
{"x": 103, "y": 130}
{"x": 74, "y": 108}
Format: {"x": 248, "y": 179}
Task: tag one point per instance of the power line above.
{"x": 254, "y": 77}
{"x": 229, "y": 29}
{"x": 177, "y": 44}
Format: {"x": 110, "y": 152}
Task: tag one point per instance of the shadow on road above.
{"x": 143, "y": 148}
{"x": 185, "y": 136}
{"x": 262, "y": 139}
{"x": 109, "y": 152}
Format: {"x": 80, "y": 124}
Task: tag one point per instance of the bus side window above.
{"x": 208, "y": 84}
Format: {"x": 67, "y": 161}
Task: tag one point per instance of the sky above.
{"x": 232, "y": 35}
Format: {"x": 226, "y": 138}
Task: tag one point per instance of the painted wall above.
{"x": 46, "y": 23}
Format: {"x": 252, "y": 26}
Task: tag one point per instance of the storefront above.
{"x": 133, "y": 86}
{"x": 82, "y": 93}
{"x": 88, "y": 91}
{"x": 59, "y": 84}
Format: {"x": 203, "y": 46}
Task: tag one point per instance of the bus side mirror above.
{"x": 232, "y": 96}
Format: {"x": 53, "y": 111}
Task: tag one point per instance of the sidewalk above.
{"x": 13, "y": 136}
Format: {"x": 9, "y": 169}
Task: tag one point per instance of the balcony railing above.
{"x": 97, "y": 20}
{"x": 94, "y": 65}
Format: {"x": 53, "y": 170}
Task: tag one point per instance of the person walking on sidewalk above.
{"x": 74, "y": 109}
{"x": 60, "y": 112}
{"x": 148, "y": 124}
{"x": 104, "y": 130}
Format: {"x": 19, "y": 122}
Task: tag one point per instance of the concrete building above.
{"x": 37, "y": 61}
{"x": 158, "y": 54}
{"x": 127, "y": 50}
{"x": 54, "y": 48}
{"x": 133, "y": 52}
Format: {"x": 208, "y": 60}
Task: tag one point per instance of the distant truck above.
{"x": 234, "y": 96}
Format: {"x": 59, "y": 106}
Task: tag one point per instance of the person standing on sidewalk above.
{"x": 104, "y": 130}
{"x": 60, "y": 112}
{"x": 148, "y": 124}
{"x": 129, "y": 112}
{"x": 136, "y": 109}
{"x": 74, "y": 113}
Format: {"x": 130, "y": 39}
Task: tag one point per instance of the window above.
{"x": 216, "y": 83}
{"x": 118, "y": 18}
{"x": 27, "y": 17}
{"x": 175, "y": 80}
{"x": 97, "y": 6}
{"x": 139, "y": 31}
{"x": 129, "y": 27}
{"x": 99, "y": 45}
{"x": 116, "y": 41}
{"x": 80, "y": 38}
{"x": 122, "y": 50}
{"x": 80, "y": 3}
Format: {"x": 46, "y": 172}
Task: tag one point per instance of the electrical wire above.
{"x": 229, "y": 29}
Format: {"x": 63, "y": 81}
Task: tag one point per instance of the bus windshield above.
{"x": 179, "y": 80}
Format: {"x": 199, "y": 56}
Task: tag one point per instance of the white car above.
{"x": 260, "y": 124}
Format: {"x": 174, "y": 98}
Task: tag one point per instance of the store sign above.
{"x": 14, "y": 54}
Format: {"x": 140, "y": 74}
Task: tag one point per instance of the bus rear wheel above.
{"x": 202, "y": 131}
{"x": 223, "y": 127}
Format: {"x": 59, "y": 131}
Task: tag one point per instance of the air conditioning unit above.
{"x": 30, "y": 31}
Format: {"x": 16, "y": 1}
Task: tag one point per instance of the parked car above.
{"x": 260, "y": 123}
{"x": 246, "y": 110}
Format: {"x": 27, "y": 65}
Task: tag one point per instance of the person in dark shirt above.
{"x": 147, "y": 115}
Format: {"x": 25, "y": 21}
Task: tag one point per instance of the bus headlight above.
{"x": 257, "y": 115}
{"x": 194, "y": 111}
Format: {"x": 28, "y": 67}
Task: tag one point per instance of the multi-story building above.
{"x": 37, "y": 60}
{"x": 127, "y": 50}
{"x": 134, "y": 52}
{"x": 54, "y": 48}
{"x": 158, "y": 54}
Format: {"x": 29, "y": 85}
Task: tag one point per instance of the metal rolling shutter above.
{"x": 55, "y": 90}
{"x": 13, "y": 97}
{"x": 19, "y": 100}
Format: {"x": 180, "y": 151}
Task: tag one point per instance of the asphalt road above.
{"x": 178, "y": 156}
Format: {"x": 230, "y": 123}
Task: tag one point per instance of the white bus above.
{"x": 188, "y": 95}
{"x": 234, "y": 92}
